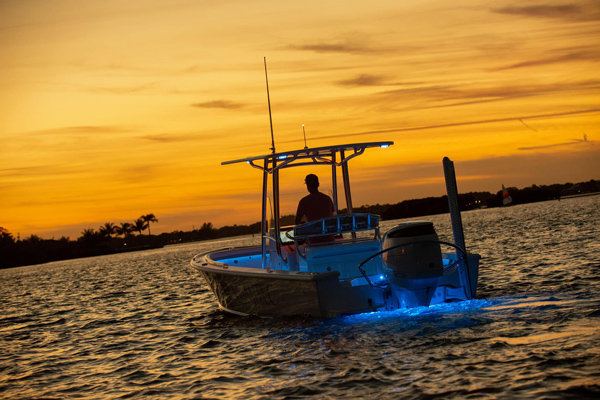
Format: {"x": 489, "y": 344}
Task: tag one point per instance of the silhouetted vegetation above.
{"x": 111, "y": 238}
{"x": 475, "y": 200}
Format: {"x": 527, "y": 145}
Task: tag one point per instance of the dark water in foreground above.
{"x": 145, "y": 325}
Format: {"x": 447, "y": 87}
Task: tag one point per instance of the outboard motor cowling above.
{"x": 415, "y": 266}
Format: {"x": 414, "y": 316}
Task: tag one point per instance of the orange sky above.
{"x": 114, "y": 109}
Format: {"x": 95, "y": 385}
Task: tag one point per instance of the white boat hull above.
{"x": 242, "y": 287}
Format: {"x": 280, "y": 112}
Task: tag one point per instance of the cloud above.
{"x": 564, "y": 144}
{"x": 364, "y": 80}
{"x": 123, "y": 90}
{"x": 454, "y": 124}
{"x": 375, "y": 80}
{"x": 35, "y": 170}
{"x": 572, "y": 12}
{"x": 350, "y": 45}
{"x": 542, "y": 11}
{"x": 222, "y": 104}
{"x": 18, "y": 176}
{"x": 590, "y": 54}
{"x": 166, "y": 138}
{"x": 448, "y": 96}
{"x": 82, "y": 130}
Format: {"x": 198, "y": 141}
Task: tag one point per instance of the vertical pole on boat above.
{"x": 275, "y": 172}
{"x": 269, "y": 101}
{"x": 264, "y": 226}
{"x": 276, "y": 211}
{"x": 457, "y": 228}
{"x": 346, "y": 178}
{"x": 334, "y": 182}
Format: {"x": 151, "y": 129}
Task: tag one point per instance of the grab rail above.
{"x": 335, "y": 225}
{"x": 338, "y": 224}
{"x": 461, "y": 250}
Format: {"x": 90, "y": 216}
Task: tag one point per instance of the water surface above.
{"x": 145, "y": 325}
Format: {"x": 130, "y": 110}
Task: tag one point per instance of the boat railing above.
{"x": 335, "y": 225}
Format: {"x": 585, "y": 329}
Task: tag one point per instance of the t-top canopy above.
{"x": 315, "y": 155}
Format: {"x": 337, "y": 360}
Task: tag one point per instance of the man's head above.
{"x": 312, "y": 182}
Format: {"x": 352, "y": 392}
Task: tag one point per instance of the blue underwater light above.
{"x": 433, "y": 310}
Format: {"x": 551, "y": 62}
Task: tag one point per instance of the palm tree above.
{"x": 139, "y": 225}
{"x": 89, "y": 236}
{"x": 88, "y": 232}
{"x": 125, "y": 229}
{"x": 207, "y": 230}
{"x": 6, "y": 236}
{"x": 108, "y": 229}
{"x": 147, "y": 219}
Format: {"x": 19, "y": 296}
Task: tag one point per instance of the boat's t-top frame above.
{"x": 271, "y": 164}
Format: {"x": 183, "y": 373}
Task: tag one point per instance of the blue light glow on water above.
{"x": 437, "y": 309}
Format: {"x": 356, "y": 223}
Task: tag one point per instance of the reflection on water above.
{"x": 144, "y": 324}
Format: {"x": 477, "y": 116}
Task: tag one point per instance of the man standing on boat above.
{"x": 316, "y": 205}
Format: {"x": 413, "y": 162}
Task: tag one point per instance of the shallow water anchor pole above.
{"x": 457, "y": 228}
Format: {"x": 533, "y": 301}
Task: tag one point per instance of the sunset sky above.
{"x": 113, "y": 109}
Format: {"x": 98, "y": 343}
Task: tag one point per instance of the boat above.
{"x": 506, "y": 199}
{"x": 360, "y": 270}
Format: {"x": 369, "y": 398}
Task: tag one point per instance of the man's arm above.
{"x": 300, "y": 212}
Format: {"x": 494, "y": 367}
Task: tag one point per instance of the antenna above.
{"x": 304, "y": 132}
{"x": 269, "y": 101}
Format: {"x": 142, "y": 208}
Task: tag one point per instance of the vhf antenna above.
{"x": 269, "y": 101}
{"x": 304, "y": 132}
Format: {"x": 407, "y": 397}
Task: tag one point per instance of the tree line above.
{"x": 124, "y": 229}
{"x": 110, "y": 238}
{"x": 105, "y": 240}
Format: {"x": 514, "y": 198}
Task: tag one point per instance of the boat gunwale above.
{"x": 213, "y": 267}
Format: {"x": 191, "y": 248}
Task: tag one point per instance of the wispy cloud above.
{"x": 455, "y": 124}
{"x": 46, "y": 170}
{"x": 350, "y": 44}
{"x": 563, "y": 144}
{"x": 543, "y": 11}
{"x": 589, "y": 54}
{"x": 123, "y": 89}
{"x": 334, "y": 48}
{"x": 585, "y": 11}
{"x": 82, "y": 130}
{"x": 436, "y": 96}
{"x": 223, "y": 104}
{"x": 364, "y": 80}
{"x": 167, "y": 138}
{"x": 376, "y": 80}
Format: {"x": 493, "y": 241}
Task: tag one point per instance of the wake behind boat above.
{"x": 358, "y": 270}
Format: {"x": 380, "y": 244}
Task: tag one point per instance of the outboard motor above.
{"x": 413, "y": 271}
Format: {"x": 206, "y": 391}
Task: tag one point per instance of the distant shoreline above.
{"x": 35, "y": 251}
{"x": 580, "y": 195}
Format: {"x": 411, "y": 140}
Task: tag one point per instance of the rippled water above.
{"x": 145, "y": 325}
